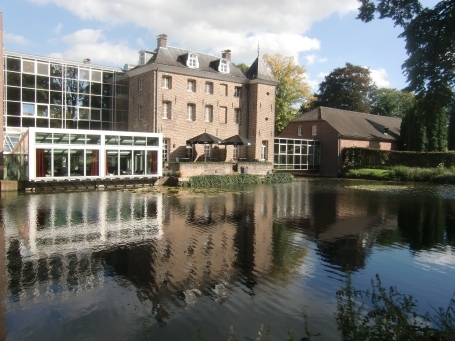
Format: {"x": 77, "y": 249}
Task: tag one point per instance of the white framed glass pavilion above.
{"x": 55, "y": 154}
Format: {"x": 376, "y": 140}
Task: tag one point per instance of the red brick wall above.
{"x": 329, "y": 143}
{"x": 369, "y": 144}
{"x": 179, "y": 129}
{"x": 261, "y": 126}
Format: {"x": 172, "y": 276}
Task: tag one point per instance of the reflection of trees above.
{"x": 287, "y": 255}
{"x": 422, "y": 222}
{"x": 348, "y": 253}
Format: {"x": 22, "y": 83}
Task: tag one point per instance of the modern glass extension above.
{"x": 53, "y": 93}
{"x": 55, "y": 154}
{"x": 296, "y": 154}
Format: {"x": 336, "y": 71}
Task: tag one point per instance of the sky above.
{"x": 320, "y": 34}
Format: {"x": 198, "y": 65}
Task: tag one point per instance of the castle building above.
{"x": 174, "y": 93}
{"x": 182, "y": 94}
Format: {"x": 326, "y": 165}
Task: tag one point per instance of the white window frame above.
{"x": 209, "y": 88}
{"x": 223, "y": 67}
{"x": 192, "y": 61}
{"x": 166, "y": 146}
{"x": 166, "y": 82}
{"x": 264, "y": 151}
{"x": 166, "y": 114}
{"x": 207, "y": 150}
{"x": 237, "y": 112}
{"x": 209, "y": 113}
{"x": 299, "y": 131}
{"x": 140, "y": 84}
{"x": 191, "y": 111}
{"x": 314, "y": 130}
{"x": 238, "y": 92}
{"x": 235, "y": 152}
{"x": 191, "y": 85}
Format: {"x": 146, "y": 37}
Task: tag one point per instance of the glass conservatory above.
{"x": 296, "y": 154}
{"x": 53, "y": 154}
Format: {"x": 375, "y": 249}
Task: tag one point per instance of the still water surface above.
{"x": 156, "y": 265}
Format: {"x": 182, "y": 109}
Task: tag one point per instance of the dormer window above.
{"x": 224, "y": 66}
{"x": 192, "y": 61}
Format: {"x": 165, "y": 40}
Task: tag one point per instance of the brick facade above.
{"x": 253, "y": 99}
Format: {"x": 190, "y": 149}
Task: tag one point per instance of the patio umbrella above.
{"x": 204, "y": 138}
{"x": 238, "y": 140}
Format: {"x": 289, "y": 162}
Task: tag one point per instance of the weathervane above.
{"x": 258, "y": 49}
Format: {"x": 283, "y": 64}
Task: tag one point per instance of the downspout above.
{"x": 339, "y": 153}
{"x": 248, "y": 117}
{"x": 156, "y": 102}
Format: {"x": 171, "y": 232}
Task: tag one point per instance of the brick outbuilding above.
{"x": 337, "y": 129}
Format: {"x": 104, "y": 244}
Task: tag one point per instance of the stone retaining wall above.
{"x": 189, "y": 169}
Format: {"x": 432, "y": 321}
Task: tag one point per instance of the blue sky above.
{"x": 321, "y": 35}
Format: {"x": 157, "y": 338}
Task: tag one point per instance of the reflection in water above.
{"x": 196, "y": 259}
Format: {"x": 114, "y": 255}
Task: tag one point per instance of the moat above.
{"x": 168, "y": 265}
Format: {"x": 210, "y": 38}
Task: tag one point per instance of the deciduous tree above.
{"x": 392, "y": 102}
{"x": 349, "y": 88}
{"x": 292, "y": 88}
{"x": 430, "y": 68}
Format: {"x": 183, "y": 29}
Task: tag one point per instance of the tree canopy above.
{"x": 430, "y": 42}
{"x": 292, "y": 88}
{"x": 392, "y": 102}
{"x": 430, "y": 67}
{"x": 348, "y": 88}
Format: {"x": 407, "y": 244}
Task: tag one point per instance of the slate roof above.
{"x": 259, "y": 70}
{"x": 173, "y": 56}
{"x": 351, "y": 124}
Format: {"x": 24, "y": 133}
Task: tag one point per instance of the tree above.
{"x": 424, "y": 127}
{"x": 349, "y": 88}
{"x": 292, "y": 88}
{"x": 430, "y": 45}
{"x": 451, "y": 130}
{"x": 430, "y": 42}
{"x": 392, "y": 102}
{"x": 242, "y": 66}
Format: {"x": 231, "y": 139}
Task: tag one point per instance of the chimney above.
{"x": 161, "y": 41}
{"x": 86, "y": 61}
{"x": 226, "y": 54}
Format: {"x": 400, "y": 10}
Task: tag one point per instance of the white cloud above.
{"x": 58, "y": 28}
{"x": 15, "y": 39}
{"x": 90, "y": 44}
{"x": 202, "y": 24}
{"x": 312, "y": 58}
{"x": 379, "y": 76}
{"x": 322, "y": 74}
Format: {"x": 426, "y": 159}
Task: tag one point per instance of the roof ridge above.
{"x": 210, "y": 55}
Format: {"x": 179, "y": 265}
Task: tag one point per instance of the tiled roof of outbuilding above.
{"x": 351, "y": 124}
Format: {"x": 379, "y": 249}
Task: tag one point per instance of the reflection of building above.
{"x": 66, "y": 240}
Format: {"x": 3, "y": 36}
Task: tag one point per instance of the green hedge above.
{"x": 201, "y": 181}
{"x": 375, "y": 158}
